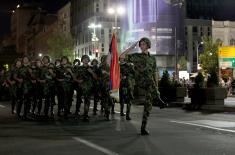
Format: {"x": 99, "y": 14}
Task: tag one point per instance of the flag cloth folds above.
{"x": 114, "y": 69}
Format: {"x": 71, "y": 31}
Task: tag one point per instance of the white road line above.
{"x": 2, "y": 106}
{"x": 94, "y": 146}
{"x": 204, "y": 126}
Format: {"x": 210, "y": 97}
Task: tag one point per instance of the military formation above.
{"x": 40, "y": 88}
{"x": 37, "y": 86}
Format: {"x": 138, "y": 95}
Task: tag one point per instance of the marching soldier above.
{"x": 146, "y": 77}
{"x": 13, "y": 85}
{"x": 85, "y": 77}
{"x": 106, "y": 100}
{"x": 126, "y": 87}
{"x": 96, "y": 83}
{"x": 26, "y": 82}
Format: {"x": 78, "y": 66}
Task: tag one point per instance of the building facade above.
{"x": 85, "y": 13}
{"x": 64, "y": 18}
{"x": 224, "y": 31}
{"x": 195, "y": 29}
{"x": 19, "y": 25}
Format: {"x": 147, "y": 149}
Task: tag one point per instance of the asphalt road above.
{"x": 173, "y": 131}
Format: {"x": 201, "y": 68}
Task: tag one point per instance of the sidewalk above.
{"x": 229, "y": 105}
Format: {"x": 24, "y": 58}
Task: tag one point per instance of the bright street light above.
{"x": 111, "y": 11}
{"x": 40, "y": 54}
{"x": 18, "y": 6}
{"x": 94, "y": 26}
{"x": 116, "y": 11}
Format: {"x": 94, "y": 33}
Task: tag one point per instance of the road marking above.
{"x": 204, "y": 126}
{"x": 94, "y": 146}
{"x": 2, "y": 106}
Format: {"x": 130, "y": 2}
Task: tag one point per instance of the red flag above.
{"x": 114, "y": 69}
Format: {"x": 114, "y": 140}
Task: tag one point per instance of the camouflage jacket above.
{"x": 127, "y": 74}
{"x": 145, "y": 69}
{"x": 87, "y": 79}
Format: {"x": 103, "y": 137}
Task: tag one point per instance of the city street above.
{"x": 172, "y": 131}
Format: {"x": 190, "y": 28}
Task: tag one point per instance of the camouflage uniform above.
{"x": 126, "y": 87}
{"x": 19, "y": 89}
{"x": 106, "y": 100}
{"x": 96, "y": 84}
{"x": 60, "y": 90}
{"x": 12, "y": 89}
{"x": 145, "y": 68}
{"x": 77, "y": 88}
{"x": 33, "y": 92}
{"x": 48, "y": 91}
{"x": 27, "y": 88}
{"x": 86, "y": 86}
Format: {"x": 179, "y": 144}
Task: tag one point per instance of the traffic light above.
{"x": 96, "y": 51}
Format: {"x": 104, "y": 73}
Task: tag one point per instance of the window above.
{"x": 194, "y": 46}
{"x": 186, "y": 45}
{"x": 97, "y": 7}
{"x": 186, "y": 31}
{"x": 232, "y": 42}
{"x": 195, "y": 29}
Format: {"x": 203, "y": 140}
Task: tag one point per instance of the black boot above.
{"x": 128, "y": 117}
{"x": 143, "y": 129}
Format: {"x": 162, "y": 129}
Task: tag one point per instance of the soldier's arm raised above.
{"x": 128, "y": 50}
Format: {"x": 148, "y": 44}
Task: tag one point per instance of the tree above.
{"x": 165, "y": 80}
{"x": 60, "y": 44}
{"x": 209, "y": 59}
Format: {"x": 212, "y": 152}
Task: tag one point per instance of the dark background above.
{"x": 6, "y": 7}
{"x": 204, "y": 9}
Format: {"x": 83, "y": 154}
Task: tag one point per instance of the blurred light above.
{"x": 40, "y": 54}
{"x": 111, "y": 11}
{"x": 92, "y": 25}
{"x": 117, "y": 28}
{"x": 96, "y": 50}
{"x": 202, "y": 43}
{"x": 6, "y": 67}
{"x": 18, "y": 6}
{"x": 153, "y": 37}
{"x": 13, "y": 11}
{"x": 120, "y": 10}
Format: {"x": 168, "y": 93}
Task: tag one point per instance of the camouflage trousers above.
{"x": 150, "y": 95}
{"x": 125, "y": 97}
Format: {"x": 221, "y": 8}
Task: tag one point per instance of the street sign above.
{"x": 227, "y": 64}
{"x": 227, "y": 52}
{"x": 227, "y": 57}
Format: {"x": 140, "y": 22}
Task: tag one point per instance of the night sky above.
{"x": 6, "y": 6}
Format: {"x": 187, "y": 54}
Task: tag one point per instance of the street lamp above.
{"x": 94, "y": 39}
{"x": 94, "y": 26}
{"x": 116, "y": 11}
{"x": 201, "y": 43}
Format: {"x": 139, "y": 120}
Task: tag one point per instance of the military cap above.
{"x": 85, "y": 57}
{"x": 94, "y": 61}
{"x": 46, "y": 57}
